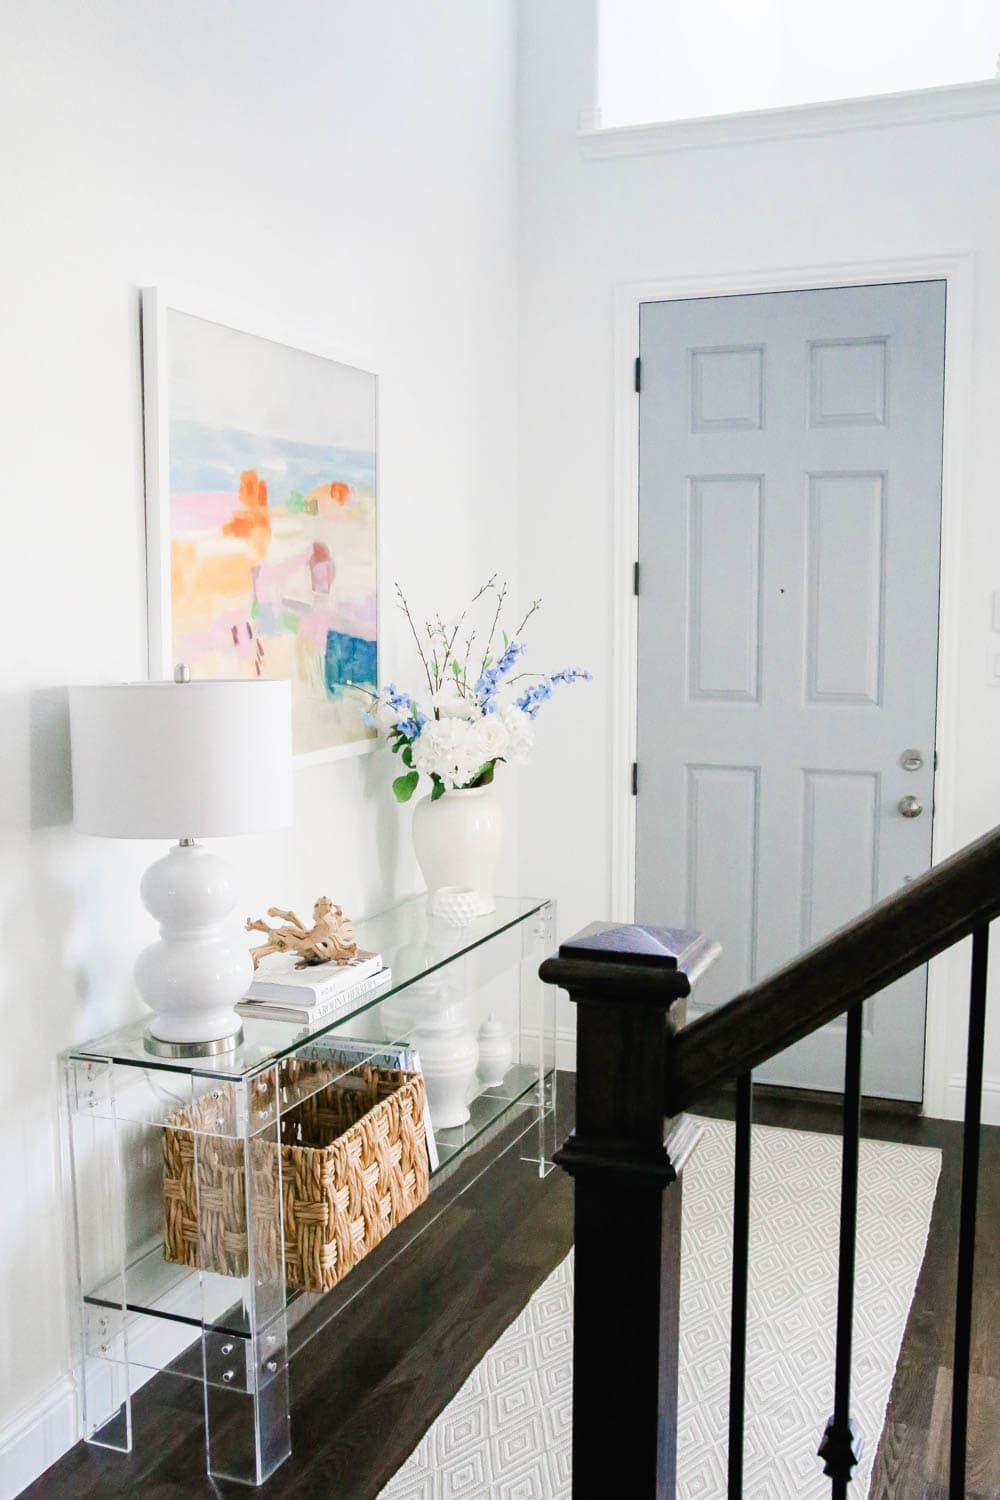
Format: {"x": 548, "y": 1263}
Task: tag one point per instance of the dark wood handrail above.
{"x": 901, "y": 933}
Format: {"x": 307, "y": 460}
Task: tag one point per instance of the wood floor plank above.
{"x": 901, "y": 1462}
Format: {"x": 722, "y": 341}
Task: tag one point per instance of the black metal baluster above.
{"x": 741, "y": 1270}
{"x": 967, "y": 1215}
{"x": 842, "y": 1444}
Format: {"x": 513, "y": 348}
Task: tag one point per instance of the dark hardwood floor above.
{"x": 366, "y": 1388}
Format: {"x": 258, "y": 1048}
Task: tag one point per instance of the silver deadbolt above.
{"x": 910, "y": 807}
{"x": 911, "y": 760}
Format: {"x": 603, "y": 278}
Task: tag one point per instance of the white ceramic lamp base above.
{"x": 198, "y": 969}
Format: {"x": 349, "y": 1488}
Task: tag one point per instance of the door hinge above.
{"x": 635, "y": 778}
{"x": 635, "y": 578}
{"x": 638, "y": 374}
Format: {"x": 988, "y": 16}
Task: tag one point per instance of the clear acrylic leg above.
{"x": 99, "y": 1243}
{"x": 538, "y": 1035}
{"x": 245, "y": 1347}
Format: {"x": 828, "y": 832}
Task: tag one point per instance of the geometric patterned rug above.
{"x": 506, "y": 1435}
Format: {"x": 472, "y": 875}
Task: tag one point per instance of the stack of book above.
{"x": 282, "y": 992}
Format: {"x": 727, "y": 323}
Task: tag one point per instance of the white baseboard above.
{"x": 954, "y": 1104}
{"x": 36, "y": 1436}
{"x": 565, "y": 1047}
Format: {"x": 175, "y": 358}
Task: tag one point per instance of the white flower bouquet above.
{"x": 473, "y": 717}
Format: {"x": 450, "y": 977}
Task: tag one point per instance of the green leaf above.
{"x": 438, "y": 789}
{"x": 404, "y": 786}
{"x": 456, "y": 669}
{"x": 407, "y": 755}
{"x": 398, "y": 744}
{"x": 484, "y": 775}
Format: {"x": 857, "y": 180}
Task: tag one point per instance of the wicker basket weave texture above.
{"x": 353, "y": 1165}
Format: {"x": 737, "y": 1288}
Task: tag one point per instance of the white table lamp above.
{"x": 185, "y": 760}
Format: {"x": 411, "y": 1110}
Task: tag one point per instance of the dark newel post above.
{"x": 624, "y": 981}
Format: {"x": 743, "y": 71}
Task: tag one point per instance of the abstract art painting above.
{"x": 261, "y": 484}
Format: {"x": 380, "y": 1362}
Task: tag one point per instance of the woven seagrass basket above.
{"x": 353, "y": 1165}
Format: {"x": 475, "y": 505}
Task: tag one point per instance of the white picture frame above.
{"x": 158, "y": 305}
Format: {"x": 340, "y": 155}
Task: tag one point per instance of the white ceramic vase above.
{"x": 457, "y": 841}
{"x": 496, "y": 1052}
{"x": 448, "y": 1058}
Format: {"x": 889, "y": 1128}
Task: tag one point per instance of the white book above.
{"x": 284, "y": 1010}
{"x": 280, "y": 982}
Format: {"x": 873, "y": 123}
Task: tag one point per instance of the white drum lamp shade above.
{"x": 185, "y": 760}
{"x": 181, "y": 760}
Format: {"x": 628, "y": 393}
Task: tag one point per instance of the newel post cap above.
{"x": 639, "y": 963}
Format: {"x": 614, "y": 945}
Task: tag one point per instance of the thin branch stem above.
{"x": 449, "y": 641}
{"x": 501, "y": 596}
{"x": 535, "y": 605}
{"x": 437, "y": 635}
{"x": 401, "y": 600}
{"x": 429, "y": 629}
{"x": 465, "y": 669}
{"x": 489, "y": 584}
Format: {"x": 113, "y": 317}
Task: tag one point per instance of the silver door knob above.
{"x": 910, "y": 807}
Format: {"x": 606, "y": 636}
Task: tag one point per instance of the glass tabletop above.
{"x": 412, "y": 944}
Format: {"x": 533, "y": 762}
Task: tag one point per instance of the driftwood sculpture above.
{"x": 330, "y": 939}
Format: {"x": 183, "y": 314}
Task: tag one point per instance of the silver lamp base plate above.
{"x": 159, "y": 1048}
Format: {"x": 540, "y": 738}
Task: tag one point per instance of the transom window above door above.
{"x": 665, "y": 60}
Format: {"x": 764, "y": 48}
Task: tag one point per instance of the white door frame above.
{"x": 947, "y": 974}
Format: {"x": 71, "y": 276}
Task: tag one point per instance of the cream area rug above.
{"x": 506, "y": 1435}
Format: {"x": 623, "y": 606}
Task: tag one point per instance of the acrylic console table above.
{"x": 140, "y": 1313}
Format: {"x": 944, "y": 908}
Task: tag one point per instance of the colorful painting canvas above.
{"x": 263, "y": 514}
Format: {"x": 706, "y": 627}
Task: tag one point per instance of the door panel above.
{"x": 789, "y": 517}
{"x": 844, "y": 625}
{"x": 722, "y": 813}
{"x": 724, "y": 587}
{"x": 840, "y": 835}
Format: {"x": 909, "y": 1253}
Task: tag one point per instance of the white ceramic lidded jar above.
{"x": 496, "y": 1052}
{"x": 448, "y": 1058}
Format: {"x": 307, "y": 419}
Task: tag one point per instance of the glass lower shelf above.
{"x": 484, "y": 1111}
{"x": 159, "y": 1288}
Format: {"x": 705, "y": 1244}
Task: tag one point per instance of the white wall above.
{"x": 585, "y": 225}
{"x": 670, "y": 62}
{"x": 350, "y": 171}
